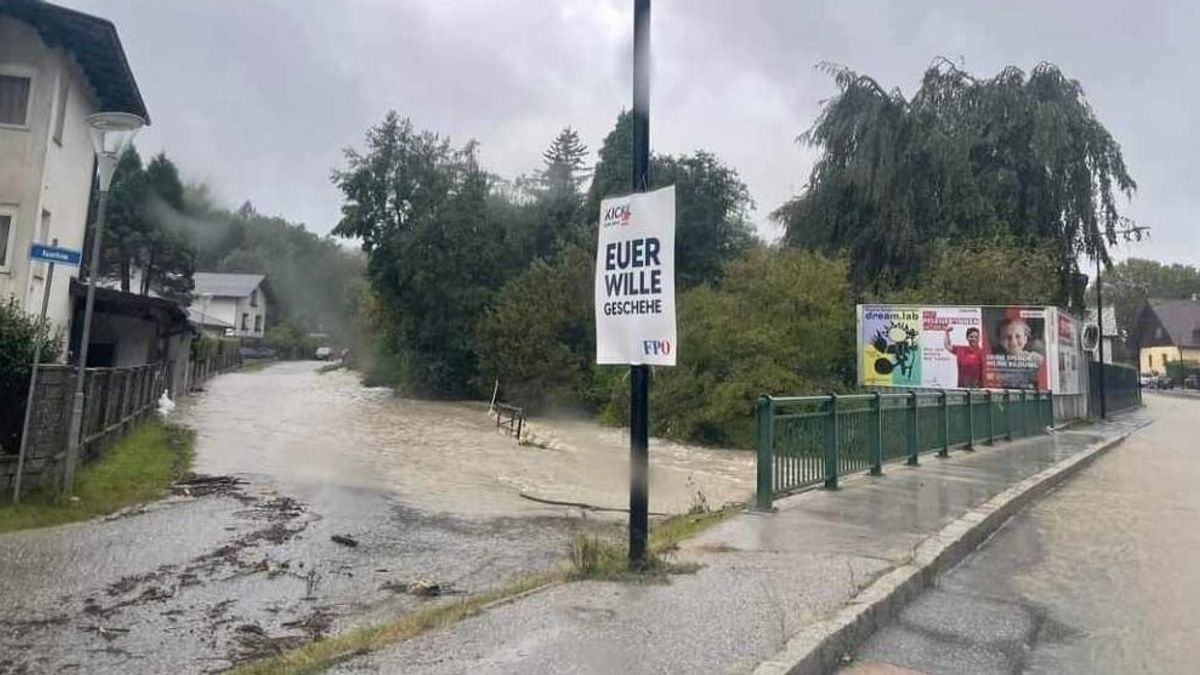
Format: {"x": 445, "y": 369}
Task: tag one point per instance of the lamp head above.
{"x": 112, "y": 133}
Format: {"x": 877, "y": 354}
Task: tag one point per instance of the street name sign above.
{"x": 55, "y": 254}
{"x": 635, "y": 280}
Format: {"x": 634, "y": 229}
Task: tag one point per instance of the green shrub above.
{"x": 19, "y": 333}
{"x": 782, "y": 322}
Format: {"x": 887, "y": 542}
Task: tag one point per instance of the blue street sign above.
{"x": 55, "y": 254}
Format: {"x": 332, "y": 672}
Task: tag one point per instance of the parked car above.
{"x": 258, "y": 352}
{"x": 1191, "y": 382}
{"x": 324, "y": 353}
{"x": 1146, "y": 381}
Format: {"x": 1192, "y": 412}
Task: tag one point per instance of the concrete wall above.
{"x": 134, "y": 340}
{"x": 1151, "y": 359}
{"x": 38, "y": 174}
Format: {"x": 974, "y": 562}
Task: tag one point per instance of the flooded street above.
{"x": 299, "y": 426}
{"x": 252, "y": 563}
{"x": 1099, "y": 577}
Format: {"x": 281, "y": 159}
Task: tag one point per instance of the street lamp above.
{"x": 111, "y": 133}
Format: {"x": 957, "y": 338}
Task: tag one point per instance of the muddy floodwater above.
{"x": 298, "y": 425}
{"x": 320, "y": 505}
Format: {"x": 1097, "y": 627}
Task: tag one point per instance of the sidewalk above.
{"x": 764, "y": 576}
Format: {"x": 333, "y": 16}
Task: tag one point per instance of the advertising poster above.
{"x": 635, "y": 280}
{"x": 968, "y": 347}
{"x": 953, "y": 352}
{"x": 1016, "y": 358}
{"x": 890, "y": 346}
{"x": 1069, "y": 355}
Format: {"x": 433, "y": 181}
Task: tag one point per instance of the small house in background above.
{"x": 234, "y": 300}
{"x": 1168, "y": 332}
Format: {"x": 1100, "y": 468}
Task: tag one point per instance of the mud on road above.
{"x": 229, "y": 570}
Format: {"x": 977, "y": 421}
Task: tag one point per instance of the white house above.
{"x": 235, "y": 300}
{"x": 57, "y": 66}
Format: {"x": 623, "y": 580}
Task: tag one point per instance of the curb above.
{"x": 819, "y": 648}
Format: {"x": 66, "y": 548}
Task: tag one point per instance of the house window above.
{"x": 14, "y": 99}
{"x": 254, "y": 298}
{"x": 258, "y": 324}
{"x": 60, "y": 117}
{"x": 245, "y": 320}
{"x": 6, "y": 231}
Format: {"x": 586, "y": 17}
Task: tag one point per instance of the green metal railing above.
{"x": 811, "y": 440}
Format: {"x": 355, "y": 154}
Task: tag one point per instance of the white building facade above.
{"x": 236, "y": 300}
{"x": 57, "y": 66}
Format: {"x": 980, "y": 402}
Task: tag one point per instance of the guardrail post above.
{"x": 1008, "y": 415}
{"x": 970, "y": 422}
{"x": 914, "y": 435}
{"x": 877, "y": 445}
{"x": 1024, "y": 413}
{"x": 764, "y": 418}
{"x": 945, "y": 451}
{"x": 831, "y": 444}
{"x": 991, "y": 439}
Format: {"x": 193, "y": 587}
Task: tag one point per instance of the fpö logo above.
{"x": 656, "y": 347}
{"x": 615, "y": 215}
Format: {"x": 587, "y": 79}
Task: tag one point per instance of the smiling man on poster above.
{"x": 635, "y": 280}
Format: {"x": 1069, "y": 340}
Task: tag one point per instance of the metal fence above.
{"x": 199, "y": 370}
{"x": 511, "y": 418}
{"x": 115, "y": 399}
{"x": 1122, "y": 390}
{"x": 809, "y": 440}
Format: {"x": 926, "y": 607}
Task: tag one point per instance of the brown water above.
{"x": 293, "y": 424}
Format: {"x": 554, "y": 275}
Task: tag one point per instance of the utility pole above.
{"x": 1129, "y": 232}
{"x": 1100, "y": 329}
{"x": 33, "y": 377}
{"x": 639, "y": 376}
{"x": 111, "y": 134}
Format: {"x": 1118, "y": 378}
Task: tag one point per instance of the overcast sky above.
{"x": 259, "y": 97}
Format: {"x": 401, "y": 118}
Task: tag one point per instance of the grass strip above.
{"x": 321, "y": 654}
{"x": 140, "y": 467}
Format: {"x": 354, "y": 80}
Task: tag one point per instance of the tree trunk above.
{"x": 148, "y": 273}
{"x": 125, "y": 271}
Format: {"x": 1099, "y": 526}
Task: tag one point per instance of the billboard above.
{"x": 964, "y": 347}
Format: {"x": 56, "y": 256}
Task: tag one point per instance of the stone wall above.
{"x": 115, "y": 400}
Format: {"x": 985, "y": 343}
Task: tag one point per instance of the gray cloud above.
{"x": 259, "y": 97}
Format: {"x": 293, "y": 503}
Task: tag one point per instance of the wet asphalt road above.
{"x": 1099, "y": 577}
{"x": 228, "y": 571}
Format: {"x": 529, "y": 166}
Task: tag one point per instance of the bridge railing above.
{"x": 805, "y": 441}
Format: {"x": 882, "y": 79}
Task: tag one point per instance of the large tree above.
{"x": 712, "y": 203}
{"x": 1014, "y": 154}
{"x": 142, "y": 236}
{"x": 558, "y": 215}
{"x": 420, "y": 208}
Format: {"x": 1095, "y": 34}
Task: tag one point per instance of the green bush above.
{"x": 19, "y": 333}
{"x": 290, "y": 342}
{"x": 539, "y": 338}
{"x": 782, "y": 322}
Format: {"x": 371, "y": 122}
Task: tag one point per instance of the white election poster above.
{"x": 635, "y": 279}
